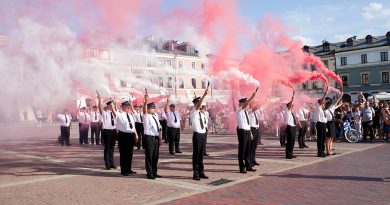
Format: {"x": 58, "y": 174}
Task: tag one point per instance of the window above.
{"x": 344, "y": 79}
{"x": 169, "y": 82}
{"x": 160, "y": 63}
{"x": 123, "y": 84}
{"x": 204, "y": 82}
{"x": 193, "y": 65}
{"x": 304, "y": 86}
{"x": 349, "y": 42}
{"x": 105, "y": 54}
{"x": 181, "y": 83}
{"x": 315, "y": 85}
{"x": 385, "y": 77}
{"x": 368, "y": 39}
{"x": 148, "y": 62}
{"x": 326, "y": 63}
{"x": 326, "y": 47}
{"x": 180, "y": 64}
{"x": 364, "y": 58}
{"x": 384, "y": 56}
{"x": 343, "y": 61}
{"x": 193, "y": 83}
{"x": 161, "y": 81}
{"x": 169, "y": 63}
{"x": 203, "y": 66}
{"x": 313, "y": 67}
{"x": 364, "y": 78}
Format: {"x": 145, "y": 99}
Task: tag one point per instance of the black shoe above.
{"x": 150, "y": 176}
{"x": 178, "y": 152}
{"x": 205, "y": 154}
{"x": 282, "y": 145}
{"x": 108, "y": 168}
{"x": 113, "y": 166}
{"x": 157, "y": 176}
{"x": 203, "y": 176}
{"x": 305, "y": 146}
{"x": 321, "y": 155}
{"x": 68, "y": 144}
{"x": 243, "y": 171}
{"x": 196, "y": 177}
{"x": 132, "y": 172}
{"x": 125, "y": 174}
{"x": 171, "y": 153}
{"x": 289, "y": 157}
{"x": 301, "y": 147}
{"x": 251, "y": 170}
{"x": 255, "y": 163}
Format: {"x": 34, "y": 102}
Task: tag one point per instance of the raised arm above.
{"x": 100, "y": 103}
{"x": 166, "y": 106}
{"x": 250, "y": 99}
{"x": 234, "y": 104}
{"x": 197, "y": 106}
{"x": 145, "y": 101}
{"x": 339, "y": 101}
{"x": 131, "y": 104}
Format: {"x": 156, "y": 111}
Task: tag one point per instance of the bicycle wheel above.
{"x": 352, "y": 136}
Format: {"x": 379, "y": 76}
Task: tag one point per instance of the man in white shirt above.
{"x": 109, "y": 132}
{"x": 173, "y": 131}
{"x": 302, "y": 115}
{"x": 320, "y": 119}
{"x": 65, "y": 120}
{"x": 96, "y": 123}
{"x": 198, "y": 138}
{"x": 127, "y": 137}
{"x": 255, "y": 131}
{"x": 153, "y": 140}
{"x": 139, "y": 125}
{"x": 84, "y": 120}
{"x": 290, "y": 129}
{"x": 244, "y": 135}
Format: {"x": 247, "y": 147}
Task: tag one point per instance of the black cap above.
{"x": 172, "y": 105}
{"x": 83, "y": 108}
{"x": 125, "y": 104}
{"x": 203, "y": 107}
{"x": 243, "y": 100}
{"x": 196, "y": 100}
{"x": 151, "y": 105}
{"x": 328, "y": 101}
{"x": 109, "y": 102}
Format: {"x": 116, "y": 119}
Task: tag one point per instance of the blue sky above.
{"x": 332, "y": 20}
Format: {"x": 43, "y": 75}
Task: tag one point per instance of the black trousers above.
{"x": 256, "y": 137}
{"x": 198, "y": 141}
{"x": 302, "y": 134}
{"x": 282, "y": 136}
{"x": 290, "y": 133}
{"x": 244, "y": 160}
{"x": 83, "y": 133}
{"x": 164, "y": 127}
{"x": 205, "y": 142}
{"x": 367, "y": 127}
{"x": 174, "y": 139}
{"x": 321, "y": 134}
{"x": 65, "y": 133}
{"x": 95, "y": 132}
{"x": 139, "y": 127}
{"x": 109, "y": 139}
{"x": 151, "y": 154}
{"x": 126, "y": 143}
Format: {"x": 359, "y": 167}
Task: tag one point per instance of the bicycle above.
{"x": 349, "y": 133}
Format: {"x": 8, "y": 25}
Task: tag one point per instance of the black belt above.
{"x": 151, "y": 136}
{"x": 109, "y": 129}
{"x": 254, "y": 128}
{"x": 126, "y": 132}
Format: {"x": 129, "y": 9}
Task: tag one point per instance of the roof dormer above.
{"x": 351, "y": 41}
{"x": 325, "y": 46}
{"x": 306, "y": 49}
{"x": 388, "y": 36}
{"x": 368, "y": 39}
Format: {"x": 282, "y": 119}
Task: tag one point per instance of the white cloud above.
{"x": 341, "y": 37}
{"x": 305, "y": 40}
{"x": 375, "y": 10}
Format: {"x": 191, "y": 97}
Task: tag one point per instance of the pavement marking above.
{"x": 31, "y": 181}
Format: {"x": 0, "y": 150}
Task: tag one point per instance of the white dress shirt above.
{"x": 84, "y": 118}
{"x": 64, "y": 119}
{"x": 161, "y": 115}
{"x": 329, "y": 114}
{"x": 95, "y": 116}
{"x": 197, "y": 117}
{"x": 123, "y": 123}
{"x": 171, "y": 119}
{"x": 253, "y": 115}
{"x": 151, "y": 125}
{"x": 107, "y": 123}
{"x": 242, "y": 117}
{"x": 302, "y": 114}
{"x": 319, "y": 115}
{"x": 289, "y": 118}
{"x": 138, "y": 117}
